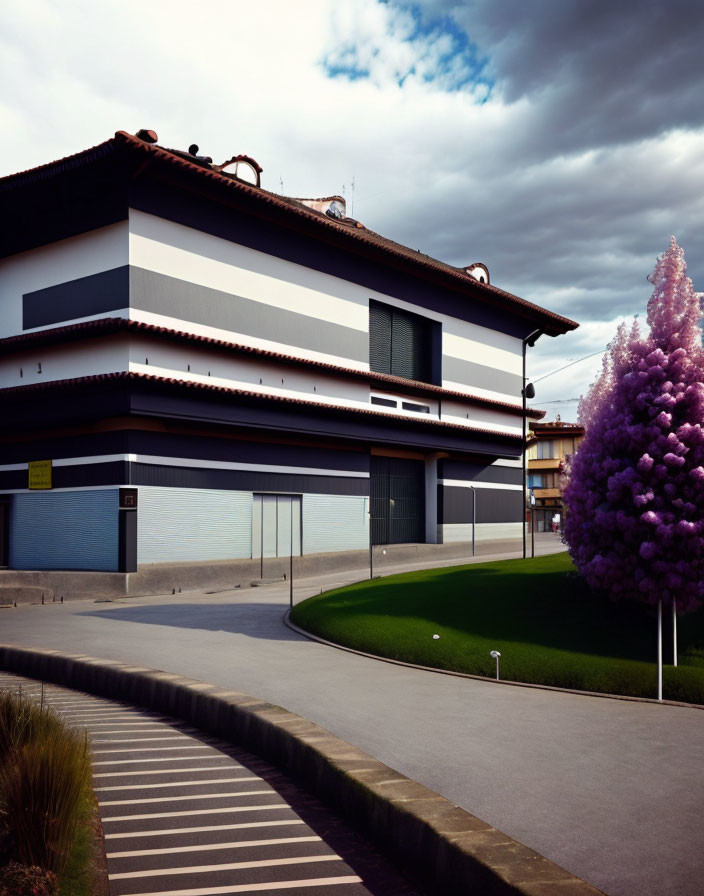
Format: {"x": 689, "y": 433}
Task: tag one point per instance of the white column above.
{"x": 431, "y": 499}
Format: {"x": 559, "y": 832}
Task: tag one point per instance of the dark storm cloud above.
{"x": 601, "y": 72}
{"x": 596, "y": 161}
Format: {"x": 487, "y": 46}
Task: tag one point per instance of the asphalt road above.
{"x": 611, "y": 790}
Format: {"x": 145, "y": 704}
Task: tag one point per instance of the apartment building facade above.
{"x": 195, "y": 369}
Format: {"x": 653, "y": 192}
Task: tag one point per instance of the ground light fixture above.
{"x": 497, "y": 656}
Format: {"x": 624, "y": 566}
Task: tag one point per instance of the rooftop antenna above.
{"x": 352, "y": 215}
{"x": 281, "y": 181}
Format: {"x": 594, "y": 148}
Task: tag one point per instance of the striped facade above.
{"x": 218, "y": 362}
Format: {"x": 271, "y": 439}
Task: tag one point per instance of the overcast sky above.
{"x": 560, "y": 142}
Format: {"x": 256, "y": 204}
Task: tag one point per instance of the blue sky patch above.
{"x": 440, "y": 53}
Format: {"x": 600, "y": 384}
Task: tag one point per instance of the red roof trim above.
{"x": 185, "y": 385}
{"x": 366, "y": 239}
{"x": 107, "y": 325}
{"x": 362, "y": 234}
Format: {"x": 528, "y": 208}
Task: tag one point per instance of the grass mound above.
{"x": 548, "y": 626}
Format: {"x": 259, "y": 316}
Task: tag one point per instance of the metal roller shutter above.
{"x": 176, "y": 524}
{"x": 335, "y": 523}
{"x": 65, "y": 530}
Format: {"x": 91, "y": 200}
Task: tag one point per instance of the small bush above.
{"x": 27, "y": 880}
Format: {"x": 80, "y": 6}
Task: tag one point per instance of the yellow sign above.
{"x": 40, "y": 474}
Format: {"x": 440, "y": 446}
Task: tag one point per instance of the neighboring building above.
{"x": 211, "y": 371}
{"x": 550, "y": 446}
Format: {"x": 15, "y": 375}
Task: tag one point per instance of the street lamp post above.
{"x": 527, "y": 391}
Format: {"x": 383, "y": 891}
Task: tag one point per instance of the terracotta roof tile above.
{"x": 20, "y": 392}
{"x": 107, "y": 325}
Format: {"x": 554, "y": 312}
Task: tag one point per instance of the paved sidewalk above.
{"x": 610, "y": 790}
{"x": 184, "y": 813}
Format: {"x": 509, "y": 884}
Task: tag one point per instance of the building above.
{"x": 550, "y": 446}
{"x": 193, "y": 368}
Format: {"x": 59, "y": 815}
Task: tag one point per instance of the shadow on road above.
{"x": 255, "y": 620}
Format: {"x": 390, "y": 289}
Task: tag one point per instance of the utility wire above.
{"x": 571, "y": 364}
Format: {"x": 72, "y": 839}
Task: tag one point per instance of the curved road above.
{"x": 611, "y": 790}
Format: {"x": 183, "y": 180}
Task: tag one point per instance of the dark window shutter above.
{"x": 379, "y": 337}
{"x": 399, "y": 342}
{"x": 410, "y": 346}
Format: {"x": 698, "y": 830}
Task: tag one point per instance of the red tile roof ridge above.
{"x": 97, "y": 379}
{"x": 115, "y": 324}
{"x": 362, "y": 233}
{"x": 7, "y": 179}
{"x": 357, "y": 232}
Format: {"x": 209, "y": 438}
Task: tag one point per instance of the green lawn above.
{"x": 549, "y": 627}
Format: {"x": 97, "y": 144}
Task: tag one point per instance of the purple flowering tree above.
{"x": 635, "y": 498}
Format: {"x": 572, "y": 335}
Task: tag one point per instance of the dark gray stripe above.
{"x": 107, "y": 291}
{"x": 246, "y": 480}
{"x": 163, "y": 444}
{"x": 172, "y": 297}
{"x": 479, "y": 472}
{"x": 493, "y": 505}
{"x": 123, "y": 473}
{"x": 469, "y": 374}
{"x": 187, "y": 301}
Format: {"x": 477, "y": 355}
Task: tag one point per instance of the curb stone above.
{"x": 450, "y": 852}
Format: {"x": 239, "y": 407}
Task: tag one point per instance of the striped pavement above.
{"x": 185, "y": 814}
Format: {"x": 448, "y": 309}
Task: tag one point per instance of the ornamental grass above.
{"x": 44, "y": 780}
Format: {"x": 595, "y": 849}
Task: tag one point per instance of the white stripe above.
{"x": 461, "y": 483}
{"x": 98, "y": 723}
{"x": 207, "y": 847}
{"x": 176, "y": 784}
{"x": 254, "y": 888}
{"x": 151, "y": 749}
{"x": 292, "y": 351}
{"x": 234, "y": 465}
{"x": 142, "y": 731}
{"x": 193, "y": 812}
{"x": 230, "y": 866}
{"x": 477, "y": 391}
{"x": 217, "y": 756}
{"x": 139, "y": 740}
{"x": 164, "y": 771}
{"x": 192, "y": 462}
{"x": 461, "y": 347}
{"x": 68, "y": 488}
{"x": 215, "y": 263}
{"x": 207, "y": 829}
{"x": 502, "y": 462}
{"x": 181, "y": 799}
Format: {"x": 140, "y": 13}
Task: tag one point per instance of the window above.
{"x": 386, "y": 402}
{"x": 402, "y": 343}
{"x": 546, "y": 450}
{"x": 535, "y": 480}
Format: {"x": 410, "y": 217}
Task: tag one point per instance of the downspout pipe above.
{"x": 530, "y": 340}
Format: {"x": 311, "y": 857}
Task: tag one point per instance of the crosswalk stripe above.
{"x": 221, "y": 811}
{"x": 212, "y": 847}
{"x": 205, "y": 829}
{"x": 176, "y": 784}
{"x": 189, "y": 796}
{"x": 254, "y": 888}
